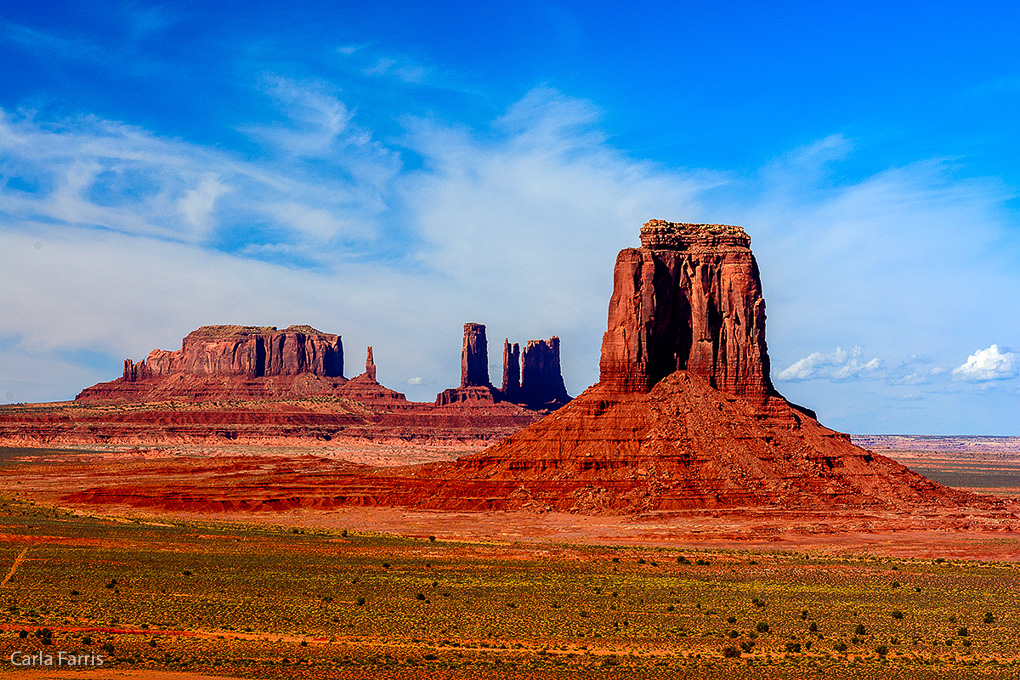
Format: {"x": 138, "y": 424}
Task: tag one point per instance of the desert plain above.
{"x": 238, "y": 508}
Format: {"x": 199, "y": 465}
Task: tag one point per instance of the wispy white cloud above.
{"x": 515, "y": 225}
{"x": 989, "y": 364}
{"x": 838, "y": 365}
{"x": 92, "y": 173}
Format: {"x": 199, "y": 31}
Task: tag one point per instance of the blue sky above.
{"x": 389, "y": 171}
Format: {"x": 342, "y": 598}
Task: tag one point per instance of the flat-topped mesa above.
{"x": 689, "y": 299}
{"x": 253, "y": 351}
{"x": 541, "y": 379}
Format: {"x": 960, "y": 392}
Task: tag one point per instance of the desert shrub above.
{"x": 813, "y": 627}
{"x": 840, "y": 647}
{"x": 762, "y": 627}
{"x": 107, "y": 648}
{"x": 803, "y": 615}
{"x": 432, "y": 539}
{"x": 793, "y": 647}
{"x": 702, "y": 563}
{"x": 746, "y": 646}
{"x": 989, "y": 617}
{"x": 682, "y": 560}
{"x": 361, "y": 601}
{"x": 881, "y": 650}
{"x": 731, "y": 619}
{"x": 87, "y": 640}
{"x": 419, "y": 596}
{"x": 860, "y": 629}
{"x": 730, "y": 652}
{"x": 897, "y": 614}
{"x": 671, "y": 608}
{"x": 962, "y": 631}
{"x": 22, "y": 634}
{"x": 733, "y": 634}
{"x": 895, "y": 584}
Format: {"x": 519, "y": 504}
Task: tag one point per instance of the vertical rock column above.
{"x": 541, "y": 380}
{"x": 474, "y": 357}
{"x": 370, "y": 364}
{"x": 511, "y": 371}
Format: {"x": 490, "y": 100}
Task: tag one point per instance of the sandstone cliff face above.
{"x": 232, "y": 362}
{"x": 688, "y": 299}
{"x": 252, "y": 351}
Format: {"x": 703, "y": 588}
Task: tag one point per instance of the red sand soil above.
{"x": 287, "y": 489}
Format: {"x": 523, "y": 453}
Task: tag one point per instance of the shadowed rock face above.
{"x": 541, "y": 380}
{"x": 511, "y": 370}
{"x": 688, "y": 299}
{"x": 474, "y": 357}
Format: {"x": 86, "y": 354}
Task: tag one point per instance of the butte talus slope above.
{"x": 684, "y": 414}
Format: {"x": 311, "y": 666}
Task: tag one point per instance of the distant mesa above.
{"x": 532, "y": 380}
{"x": 232, "y": 362}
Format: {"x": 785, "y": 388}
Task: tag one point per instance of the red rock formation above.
{"x": 689, "y": 299}
{"x": 370, "y": 364}
{"x": 252, "y": 351}
{"x": 366, "y": 389}
{"x": 474, "y": 357}
{"x": 231, "y": 362}
{"x": 474, "y": 372}
{"x": 511, "y": 371}
{"x": 541, "y": 381}
{"x": 684, "y": 416}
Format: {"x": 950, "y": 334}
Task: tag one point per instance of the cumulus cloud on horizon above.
{"x": 989, "y": 364}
